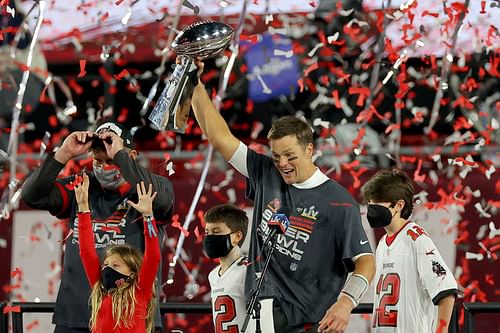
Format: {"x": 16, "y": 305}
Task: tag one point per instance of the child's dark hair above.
{"x": 235, "y": 218}
{"x": 390, "y": 186}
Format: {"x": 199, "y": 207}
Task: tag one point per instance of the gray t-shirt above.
{"x": 312, "y": 259}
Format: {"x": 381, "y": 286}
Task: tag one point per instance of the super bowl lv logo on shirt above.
{"x": 293, "y": 242}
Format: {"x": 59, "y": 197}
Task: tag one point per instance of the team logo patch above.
{"x": 438, "y": 269}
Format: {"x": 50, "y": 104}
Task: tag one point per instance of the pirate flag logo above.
{"x": 438, "y": 269}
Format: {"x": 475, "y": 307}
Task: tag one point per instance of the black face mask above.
{"x": 111, "y": 278}
{"x": 217, "y": 246}
{"x": 378, "y": 216}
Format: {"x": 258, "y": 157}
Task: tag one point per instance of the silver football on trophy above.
{"x": 204, "y": 39}
{"x": 199, "y": 40}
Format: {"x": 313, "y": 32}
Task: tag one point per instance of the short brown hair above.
{"x": 390, "y": 186}
{"x": 236, "y": 219}
{"x": 290, "y": 125}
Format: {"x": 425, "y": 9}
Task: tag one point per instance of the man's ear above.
{"x": 309, "y": 150}
{"x": 133, "y": 154}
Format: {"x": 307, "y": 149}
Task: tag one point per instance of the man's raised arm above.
{"x": 212, "y": 123}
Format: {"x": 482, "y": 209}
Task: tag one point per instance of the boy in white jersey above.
{"x": 411, "y": 276}
{"x": 225, "y": 230}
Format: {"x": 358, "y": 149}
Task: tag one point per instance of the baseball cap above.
{"x": 119, "y": 130}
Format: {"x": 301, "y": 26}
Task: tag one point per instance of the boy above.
{"x": 225, "y": 231}
{"x": 411, "y": 277}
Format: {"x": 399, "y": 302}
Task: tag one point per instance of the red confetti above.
{"x": 17, "y": 272}
{"x": 428, "y": 13}
{"x": 442, "y": 326}
{"x": 363, "y": 93}
{"x": 176, "y": 224}
{"x": 119, "y": 2}
{"x": 367, "y": 115}
{"x": 359, "y": 137}
{"x": 104, "y": 17}
{"x": 78, "y": 180}
{"x": 83, "y": 62}
{"x": 53, "y": 122}
{"x": 391, "y": 128}
{"x": 300, "y": 82}
{"x": 32, "y": 325}
{"x": 8, "y": 309}
{"x": 252, "y": 38}
{"x": 199, "y": 237}
{"x": 416, "y": 175}
{"x": 335, "y": 95}
{"x": 489, "y": 279}
{"x": 123, "y": 115}
{"x": 311, "y": 68}
{"x": 75, "y": 86}
{"x": 122, "y": 74}
{"x": 181, "y": 228}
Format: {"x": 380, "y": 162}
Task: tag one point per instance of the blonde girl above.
{"x": 122, "y": 297}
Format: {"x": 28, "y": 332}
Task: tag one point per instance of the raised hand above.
{"x": 198, "y": 63}
{"x": 145, "y": 203}
{"x": 82, "y": 194}
{"x": 112, "y": 142}
{"x": 76, "y": 144}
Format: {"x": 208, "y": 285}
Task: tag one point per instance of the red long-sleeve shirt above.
{"x": 105, "y": 322}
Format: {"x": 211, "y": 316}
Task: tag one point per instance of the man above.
{"x": 112, "y": 183}
{"x": 307, "y": 275}
{"x": 412, "y": 277}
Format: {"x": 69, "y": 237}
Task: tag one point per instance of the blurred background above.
{"x": 412, "y": 84}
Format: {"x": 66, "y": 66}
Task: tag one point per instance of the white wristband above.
{"x": 354, "y": 288}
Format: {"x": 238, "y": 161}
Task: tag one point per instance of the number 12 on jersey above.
{"x": 387, "y": 295}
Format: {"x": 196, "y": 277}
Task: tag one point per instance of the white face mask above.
{"x": 109, "y": 179}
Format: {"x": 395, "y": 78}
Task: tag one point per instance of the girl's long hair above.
{"x": 123, "y": 297}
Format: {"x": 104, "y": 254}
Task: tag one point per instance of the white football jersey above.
{"x": 411, "y": 277}
{"x": 228, "y": 298}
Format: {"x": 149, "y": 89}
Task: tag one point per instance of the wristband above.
{"x": 149, "y": 222}
{"x": 355, "y": 287}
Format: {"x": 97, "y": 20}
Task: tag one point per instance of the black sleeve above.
{"x": 134, "y": 173}
{"x": 257, "y": 164}
{"x": 41, "y": 190}
{"x": 353, "y": 237}
{"x": 443, "y": 294}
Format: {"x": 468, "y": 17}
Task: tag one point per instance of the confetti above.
{"x": 178, "y": 226}
{"x": 82, "y": 68}
{"x": 8, "y": 309}
{"x": 11, "y": 11}
{"x": 474, "y": 256}
{"x": 170, "y": 168}
{"x": 121, "y": 75}
{"x": 286, "y": 54}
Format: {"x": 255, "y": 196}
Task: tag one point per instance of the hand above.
{"x": 74, "y": 145}
{"x": 337, "y": 316}
{"x": 145, "y": 204}
{"x": 198, "y": 63}
{"x": 116, "y": 143}
{"x": 82, "y": 194}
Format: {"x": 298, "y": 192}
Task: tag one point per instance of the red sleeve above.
{"x": 88, "y": 254}
{"x": 151, "y": 260}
